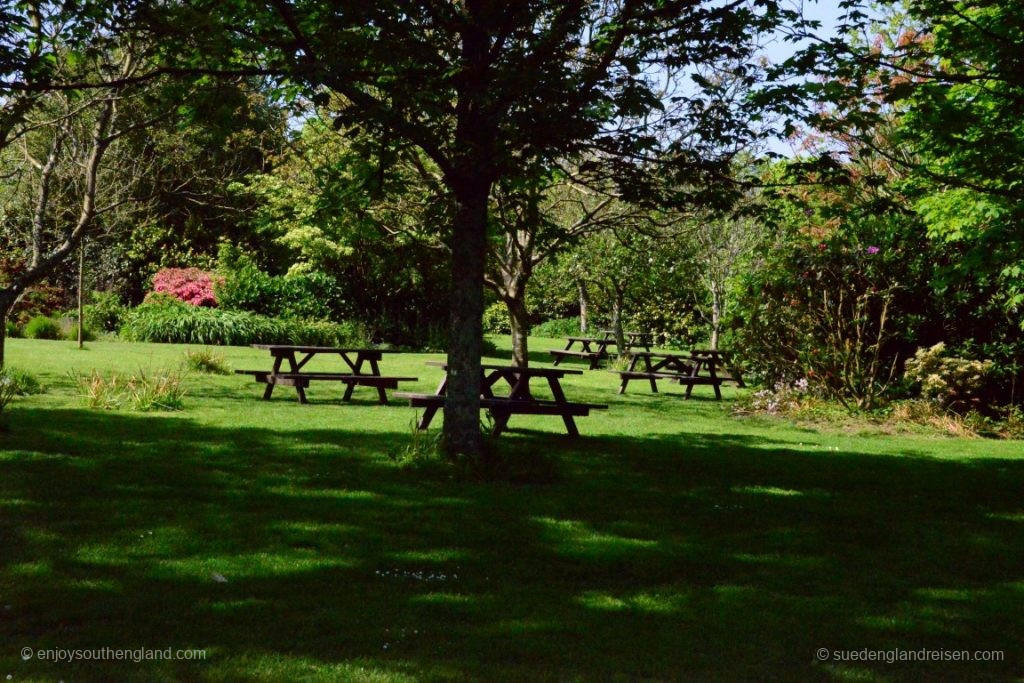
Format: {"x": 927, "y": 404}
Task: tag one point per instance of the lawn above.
{"x": 673, "y": 541}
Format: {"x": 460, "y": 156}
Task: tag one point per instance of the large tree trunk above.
{"x": 584, "y": 306}
{"x": 6, "y": 305}
{"x": 519, "y": 316}
{"x": 3, "y": 333}
{"x": 461, "y": 433}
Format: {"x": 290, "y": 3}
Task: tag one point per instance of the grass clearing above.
{"x": 673, "y": 541}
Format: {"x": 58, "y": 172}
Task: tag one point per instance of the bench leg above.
{"x": 383, "y": 397}
{"x": 298, "y": 387}
{"x": 428, "y": 415}
{"x": 654, "y": 385}
{"x": 689, "y": 390}
{"x": 349, "y": 387}
{"x": 570, "y": 425}
{"x": 718, "y": 392}
{"x": 270, "y": 385}
{"x": 500, "y": 423}
{"x": 622, "y": 387}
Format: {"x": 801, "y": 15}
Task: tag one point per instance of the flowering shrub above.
{"x": 947, "y": 380}
{"x": 782, "y": 399}
{"x": 191, "y": 285}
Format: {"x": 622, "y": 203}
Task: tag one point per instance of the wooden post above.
{"x": 81, "y": 278}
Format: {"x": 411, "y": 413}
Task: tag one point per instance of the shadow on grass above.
{"x": 723, "y": 557}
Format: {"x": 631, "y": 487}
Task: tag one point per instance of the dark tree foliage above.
{"x": 487, "y": 90}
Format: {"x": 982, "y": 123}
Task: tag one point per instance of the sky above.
{"x": 825, "y": 11}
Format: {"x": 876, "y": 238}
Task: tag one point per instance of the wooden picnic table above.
{"x": 518, "y": 400}
{"x": 355, "y": 360}
{"x": 593, "y": 349}
{"x": 633, "y": 339}
{"x": 684, "y": 368}
{"x": 723, "y": 359}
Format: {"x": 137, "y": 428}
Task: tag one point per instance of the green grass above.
{"x": 672, "y": 542}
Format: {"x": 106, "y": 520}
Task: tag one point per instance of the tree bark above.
{"x": 716, "y": 317}
{"x": 584, "y": 306}
{"x": 3, "y": 332}
{"x": 6, "y": 305}
{"x": 81, "y": 301}
{"x": 620, "y": 337}
{"x": 519, "y": 316}
{"x": 461, "y": 435}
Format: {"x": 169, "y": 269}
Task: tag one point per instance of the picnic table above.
{"x": 633, "y": 339}
{"x": 355, "y": 361}
{"x": 593, "y": 349}
{"x": 684, "y": 368}
{"x": 518, "y": 400}
{"x": 723, "y": 359}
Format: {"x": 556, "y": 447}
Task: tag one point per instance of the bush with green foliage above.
{"x": 69, "y": 328}
{"x": 951, "y": 382}
{"x": 562, "y": 327}
{"x": 206, "y": 361}
{"x": 104, "y": 312}
{"x": 8, "y": 390}
{"x": 245, "y": 287}
{"x": 143, "y": 392}
{"x": 24, "y": 382}
{"x": 496, "y": 319}
{"x": 43, "y": 327}
{"x": 197, "y": 325}
{"x": 12, "y": 330}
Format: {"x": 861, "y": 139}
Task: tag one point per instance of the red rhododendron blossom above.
{"x": 191, "y": 285}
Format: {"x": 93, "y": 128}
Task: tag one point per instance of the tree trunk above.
{"x": 3, "y": 332}
{"x": 620, "y": 337}
{"x": 519, "y": 316}
{"x": 584, "y": 306}
{"x": 461, "y": 433}
{"x": 716, "y": 317}
{"x": 81, "y": 278}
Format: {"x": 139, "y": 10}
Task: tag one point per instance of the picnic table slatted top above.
{"x": 320, "y": 349}
{"x": 518, "y": 369}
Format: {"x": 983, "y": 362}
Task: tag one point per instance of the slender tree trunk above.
{"x": 716, "y": 317}
{"x": 461, "y": 433}
{"x": 620, "y": 337}
{"x": 520, "y": 319}
{"x": 3, "y": 332}
{"x": 584, "y": 306}
{"x": 81, "y": 279}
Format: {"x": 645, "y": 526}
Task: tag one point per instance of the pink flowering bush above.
{"x": 191, "y": 285}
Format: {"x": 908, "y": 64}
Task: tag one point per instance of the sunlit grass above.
{"x": 673, "y": 541}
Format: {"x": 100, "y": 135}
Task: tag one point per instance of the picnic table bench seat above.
{"x": 690, "y": 382}
{"x": 353, "y": 374}
{"x": 351, "y": 380}
{"x": 501, "y": 407}
{"x": 593, "y": 356}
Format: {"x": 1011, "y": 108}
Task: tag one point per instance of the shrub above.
{"x": 206, "y": 361}
{"x": 191, "y": 285}
{"x": 496, "y": 319}
{"x": 949, "y": 381}
{"x": 244, "y": 287}
{"x": 8, "y": 389}
{"x": 142, "y": 392}
{"x": 218, "y": 327}
{"x": 69, "y": 328}
{"x": 104, "y": 313}
{"x": 564, "y": 327}
{"x": 194, "y": 325}
{"x": 24, "y": 382}
{"x": 12, "y": 329}
{"x": 42, "y": 327}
